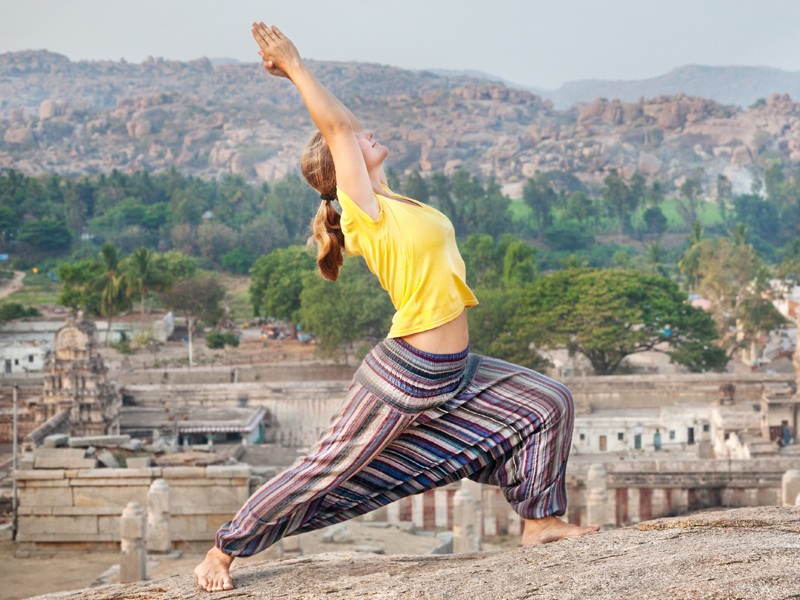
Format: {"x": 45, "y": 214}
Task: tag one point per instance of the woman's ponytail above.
{"x": 326, "y": 231}
{"x": 316, "y": 164}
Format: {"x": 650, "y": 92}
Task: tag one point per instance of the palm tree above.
{"x": 141, "y": 277}
{"x": 689, "y": 262}
{"x": 112, "y": 285}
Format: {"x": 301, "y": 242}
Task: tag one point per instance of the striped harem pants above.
{"x": 413, "y": 421}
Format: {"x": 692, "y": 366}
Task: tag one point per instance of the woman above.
{"x": 422, "y": 411}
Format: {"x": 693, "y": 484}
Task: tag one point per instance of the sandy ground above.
{"x": 62, "y": 571}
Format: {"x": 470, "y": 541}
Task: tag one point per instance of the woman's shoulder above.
{"x": 351, "y": 209}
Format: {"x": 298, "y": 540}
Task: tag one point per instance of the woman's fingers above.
{"x": 261, "y": 34}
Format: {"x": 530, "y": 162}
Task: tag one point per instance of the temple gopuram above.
{"x": 76, "y": 395}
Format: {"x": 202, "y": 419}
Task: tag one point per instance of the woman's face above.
{"x": 374, "y": 153}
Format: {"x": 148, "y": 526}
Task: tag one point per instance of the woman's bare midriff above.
{"x": 450, "y": 338}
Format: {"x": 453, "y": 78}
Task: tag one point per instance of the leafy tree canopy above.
{"x": 609, "y": 314}
{"x": 350, "y": 309}
{"x": 277, "y": 281}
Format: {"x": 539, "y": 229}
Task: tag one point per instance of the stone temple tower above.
{"x": 75, "y": 381}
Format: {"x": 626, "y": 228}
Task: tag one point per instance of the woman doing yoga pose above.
{"x": 422, "y": 411}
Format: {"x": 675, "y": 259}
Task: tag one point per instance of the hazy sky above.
{"x": 531, "y": 42}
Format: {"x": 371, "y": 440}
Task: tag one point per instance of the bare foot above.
{"x": 551, "y": 529}
{"x": 213, "y": 574}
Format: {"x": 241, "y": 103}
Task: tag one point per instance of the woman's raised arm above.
{"x": 337, "y": 124}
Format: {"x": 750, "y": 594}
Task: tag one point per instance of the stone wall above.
{"x": 299, "y": 410}
{"x": 301, "y": 406}
{"x": 640, "y": 490}
{"x": 84, "y": 505}
{"x": 653, "y": 391}
{"x": 239, "y": 374}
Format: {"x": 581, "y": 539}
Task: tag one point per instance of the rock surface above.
{"x": 742, "y": 554}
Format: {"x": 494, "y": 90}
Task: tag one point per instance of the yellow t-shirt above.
{"x": 412, "y": 249}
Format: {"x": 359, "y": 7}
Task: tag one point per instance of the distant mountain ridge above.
{"x": 737, "y": 85}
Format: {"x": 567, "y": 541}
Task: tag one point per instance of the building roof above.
{"x": 195, "y": 419}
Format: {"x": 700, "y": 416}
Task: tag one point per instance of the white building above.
{"x": 20, "y": 357}
{"x": 668, "y": 428}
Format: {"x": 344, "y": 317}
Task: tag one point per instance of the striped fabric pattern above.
{"x": 413, "y": 421}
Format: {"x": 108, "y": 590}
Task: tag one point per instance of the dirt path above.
{"x": 13, "y": 285}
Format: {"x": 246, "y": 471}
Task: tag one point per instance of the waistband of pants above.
{"x": 412, "y": 380}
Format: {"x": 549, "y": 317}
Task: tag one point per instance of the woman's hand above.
{"x": 277, "y": 51}
{"x": 270, "y": 67}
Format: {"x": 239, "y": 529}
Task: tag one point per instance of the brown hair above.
{"x": 316, "y": 164}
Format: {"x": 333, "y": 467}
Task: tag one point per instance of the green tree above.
{"x": 733, "y": 277}
{"x": 14, "y": 310}
{"x": 789, "y": 267}
{"x": 689, "y": 262}
{"x": 293, "y": 203}
{"x": 519, "y": 263}
{"x": 540, "y": 196}
{"x": 197, "y": 298}
{"x": 580, "y": 207}
{"x": 620, "y": 199}
{"x": 350, "y": 309}
{"x": 655, "y": 221}
{"x": 483, "y": 259}
{"x": 79, "y": 285}
{"x": 609, "y": 314}
{"x": 414, "y": 186}
{"x": 654, "y": 259}
{"x": 113, "y": 292}
{"x": 492, "y": 331}
{"x": 277, "y": 281}
{"x": 48, "y": 235}
{"x": 690, "y": 204}
{"x": 489, "y": 212}
{"x": 724, "y": 196}
{"x": 141, "y": 277}
{"x": 761, "y": 217}
{"x": 9, "y": 224}
{"x": 174, "y": 266}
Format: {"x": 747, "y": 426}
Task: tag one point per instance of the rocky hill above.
{"x": 57, "y": 115}
{"x": 746, "y": 554}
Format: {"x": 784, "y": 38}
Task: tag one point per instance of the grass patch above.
{"x": 237, "y": 296}
{"x": 520, "y": 212}
{"x": 707, "y": 213}
{"x": 37, "y": 289}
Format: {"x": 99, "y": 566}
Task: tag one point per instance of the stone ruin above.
{"x": 76, "y": 398}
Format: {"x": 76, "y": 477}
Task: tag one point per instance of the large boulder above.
{"x": 750, "y": 553}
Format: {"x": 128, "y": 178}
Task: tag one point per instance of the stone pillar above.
{"x": 516, "y": 524}
{"x": 440, "y": 502}
{"x": 159, "y": 534}
{"x": 379, "y": 514}
{"x": 597, "y": 509}
{"x": 634, "y": 500}
{"x": 418, "y": 510}
{"x": 133, "y": 532}
{"x": 291, "y": 546}
{"x": 790, "y": 485}
{"x": 466, "y": 523}
{"x": 659, "y": 503}
{"x": 393, "y": 513}
{"x": 680, "y": 501}
{"x": 489, "y": 512}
